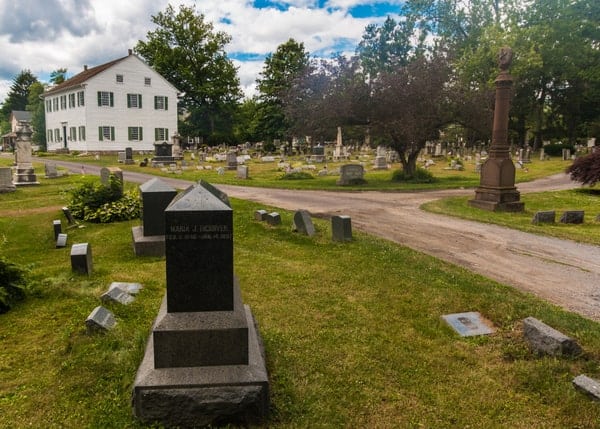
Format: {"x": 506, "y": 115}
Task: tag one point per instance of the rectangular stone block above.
{"x": 100, "y": 320}
{"x": 544, "y": 339}
{"x": 468, "y": 324}
{"x": 572, "y": 216}
{"x": 81, "y": 258}
{"x": 61, "y": 241}
{"x": 341, "y": 228}
{"x": 156, "y": 196}
{"x": 117, "y": 295}
{"x": 273, "y": 219}
{"x": 587, "y": 385}
{"x": 260, "y": 215}
{"x": 57, "y": 226}
{"x": 544, "y": 217}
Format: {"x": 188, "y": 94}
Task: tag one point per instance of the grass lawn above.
{"x": 577, "y": 199}
{"x": 353, "y": 332}
{"x": 268, "y": 175}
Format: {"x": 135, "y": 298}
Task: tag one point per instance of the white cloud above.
{"x": 95, "y": 31}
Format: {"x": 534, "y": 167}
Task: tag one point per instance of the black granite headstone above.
{"x": 69, "y": 216}
{"x": 57, "y": 225}
{"x": 156, "y": 196}
{"x": 199, "y": 252}
{"x": 128, "y": 155}
{"x": 81, "y": 258}
{"x": 273, "y": 218}
{"x": 341, "y": 228}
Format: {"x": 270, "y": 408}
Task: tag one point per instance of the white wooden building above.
{"x": 123, "y": 103}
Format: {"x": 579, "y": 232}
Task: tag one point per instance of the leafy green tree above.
{"x": 58, "y": 76}
{"x": 281, "y": 68}
{"x": 18, "y": 95}
{"x": 186, "y": 50}
{"x": 38, "y": 119}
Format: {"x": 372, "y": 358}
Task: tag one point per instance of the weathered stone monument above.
{"x": 100, "y": 320}
{"x": 380, "y": 162}
{"x": 163, "y": 153}
{"x": 24, "y": 173}
{"x": 129, "y": 156}
{"x": 341, "y": 228}
{"x": 231, "y": 160}
{"x": 303, "y": 223}
{"x": 204, "y": 362}
{"x": 106, "y": 172}
{"x": 351, "y": 174}
{"x": 497, "y": 191}
{"x": 149, "y": 238}
{"x": 6, "y": 183}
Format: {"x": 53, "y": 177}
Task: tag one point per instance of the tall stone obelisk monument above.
{"x": 497, "y": 191}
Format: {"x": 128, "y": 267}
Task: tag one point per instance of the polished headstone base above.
{"x": 203, "y": 395}
{"x": 153, "y": 245}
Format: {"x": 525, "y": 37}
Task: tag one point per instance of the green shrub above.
{"x": 12, "y": 284}
{"x": 297, "y": 175}
{"x": 420, "y": 175}
{"x": 556, "y": 149}
{"x": 99, "y": 203}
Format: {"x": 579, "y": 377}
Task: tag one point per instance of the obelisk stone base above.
{"x": 203, "y": 395}
{"x": 497, "y": 191}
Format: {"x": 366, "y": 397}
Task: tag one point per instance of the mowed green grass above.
{"x": 586, "y": 199}
{"x": 353, "y": 331}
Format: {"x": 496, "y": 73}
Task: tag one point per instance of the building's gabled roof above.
{"x": 21, "y": 115}
{"x": 82, "y": 77}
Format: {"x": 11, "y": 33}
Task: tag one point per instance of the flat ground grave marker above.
{"x": 130, "y": 288}
{"x": 469, "y": 324}
{"x": 100, "y": 320}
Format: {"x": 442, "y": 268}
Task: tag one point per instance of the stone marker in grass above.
{"x": 100, "y": 320}
{"x": 587, "y": 385}
{"x": 544, "y": 339}
{"x": 544, "y": 217}
{"x": 81, "y": 258}
{"x": 57, "y": 226}
{"x": 572, "y": 216}
{"x": 303, "y": 223}
{"x": 204, "y": 361}
{"x": 469, "y": 324}
{"x": 273, "y": 218}
{"x": 260, "y": 215}
{"x": 61, "y": 241}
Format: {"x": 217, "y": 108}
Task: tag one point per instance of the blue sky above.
{"x": 44, "y": 35}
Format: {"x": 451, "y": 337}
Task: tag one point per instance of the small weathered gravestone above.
{"x": 341, "y": 228}
{"x": 130, "y": 288}
{"x": 57, "y": 227}
{"x": 107, "y": 172}
{"x": 81, "y": 258}
{"x": 303, "y": 223}
{"x": 572, "y": 216}
{"x": 24, "y": 172}
{"x": 544, "y": 339}
{"x": 50, "y": 171}
{"x": 587, "y": 385}
{"x": 231, "y": 160}
{"x": 351, "y": 174}
{"x": 100, "y": 320}
{"x": 204, "y": 362}
{"x": 544, "y": 217}
{"x": 61, "y": 241}
{"x": 149, "y": 238}
{"x": 242, "y": 172}
{"x": 273, "y": 218}
{"x": 6, "y": 183}
{"x": 121, "y": 157}
{"x": 260, "y": 215}
{"x": 469, "y": 324}
{"x": 70, "y": 219}
{"x": 116, "y": 295}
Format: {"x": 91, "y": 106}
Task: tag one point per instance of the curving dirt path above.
{"x": 561, "y": 271}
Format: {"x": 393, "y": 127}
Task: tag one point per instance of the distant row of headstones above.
{"x": 341, "y": 226}
{"x": 569, "y": 216}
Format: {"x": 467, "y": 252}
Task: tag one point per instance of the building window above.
{"x": 134, "y": 101}
{"x": 147, "y": 81}
{"x": 106, "y": 133}
{"x": 106, "y": 98}
{"x": 161, "y": 134}
{"x": 71, "y": 101}
{"x": 57, "y": 135}
{"x": 161, "y": 102}
{"x": 72, "y": 133}
{"x": 63, "y": 102}
{"x": 55, "y": 104}
{"x": 80, "y": 99}
{"x": 50, "y": 135}
{"x": 119, "y": 78}
{"x": 82, "y": 133}
{"x": 48, "y": 105}
{"x": 135, "y": 134}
